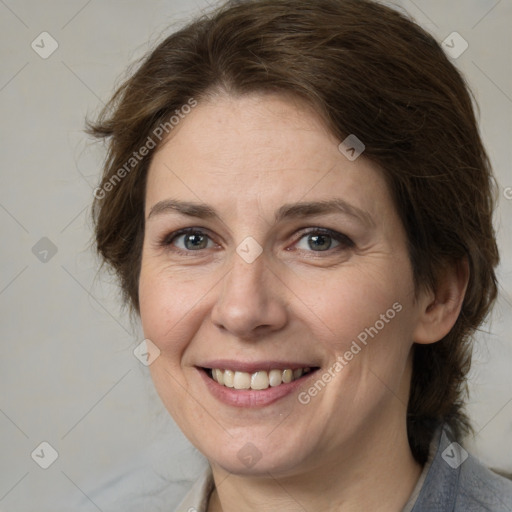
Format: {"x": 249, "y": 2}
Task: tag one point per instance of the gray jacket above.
{"x": 457, "y": 482}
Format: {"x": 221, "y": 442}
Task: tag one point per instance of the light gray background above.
{"x": 68, "y": 375}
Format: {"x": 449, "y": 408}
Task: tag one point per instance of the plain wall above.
{"x": 68, "y": 375}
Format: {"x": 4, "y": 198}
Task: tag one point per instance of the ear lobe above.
{"x": 441, "y": 307}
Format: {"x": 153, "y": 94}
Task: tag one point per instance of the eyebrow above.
{"x": 287, "y": 211}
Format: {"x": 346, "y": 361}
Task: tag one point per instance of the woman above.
{"x": 298, "y": 205}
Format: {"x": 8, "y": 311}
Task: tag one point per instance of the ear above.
{"x": 440, "y": 308}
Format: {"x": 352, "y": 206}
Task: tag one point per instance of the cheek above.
{"x": 351, "y": 301}
{"x": 168, "y": 313}
{"x": 367, "y": 318}
{"x": 167, "y": 308}
{"x": 368, "y": 343}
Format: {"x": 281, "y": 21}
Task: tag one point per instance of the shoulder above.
{"x": 458, "y": 482}
{"x": 482, "y": 489}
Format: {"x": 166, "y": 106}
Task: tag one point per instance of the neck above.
{"x": 376, "y": 472}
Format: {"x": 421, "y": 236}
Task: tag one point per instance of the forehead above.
{"x": 257, "y": 150}
{"x": 244, "y": 131}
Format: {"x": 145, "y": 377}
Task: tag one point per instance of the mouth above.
{"x": 259, "y": 380}
{"x": 254, "y": 384}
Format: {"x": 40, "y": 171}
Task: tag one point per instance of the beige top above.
{"x": 197, "y": 498}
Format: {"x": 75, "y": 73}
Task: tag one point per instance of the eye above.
{"x": 315, "y": 240}
{"x": 189, "y": 240}
{"x": 322, "y": 240}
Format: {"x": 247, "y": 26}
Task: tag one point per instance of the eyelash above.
{"x": 344, "y": 241}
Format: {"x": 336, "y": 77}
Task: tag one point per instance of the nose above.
{"x": 251, "y": 301}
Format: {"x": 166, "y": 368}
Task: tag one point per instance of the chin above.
{"x": 257, "y": 454}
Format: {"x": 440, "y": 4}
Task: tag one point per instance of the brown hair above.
{"x": 370, "y": 71}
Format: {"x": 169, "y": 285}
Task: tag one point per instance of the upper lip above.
{"x": 252, "y": 367}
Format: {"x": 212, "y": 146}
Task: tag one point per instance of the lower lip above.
{"x": 249, "y": 397}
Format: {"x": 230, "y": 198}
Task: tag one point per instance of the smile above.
{"x": 258, "y": 380}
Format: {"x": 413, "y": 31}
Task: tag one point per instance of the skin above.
{"x": 346, "y": 449}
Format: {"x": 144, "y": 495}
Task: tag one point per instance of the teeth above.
{"x": 229, "y": 378}
{"x": 219, "y": 376}
{"x": 287, "y": 376}
{"x": 242, "y": 380}
{"x": 258, "y": 380}
{"x": 274, "y": 377}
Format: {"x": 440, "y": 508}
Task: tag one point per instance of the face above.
{"x": 267, "y": 250}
